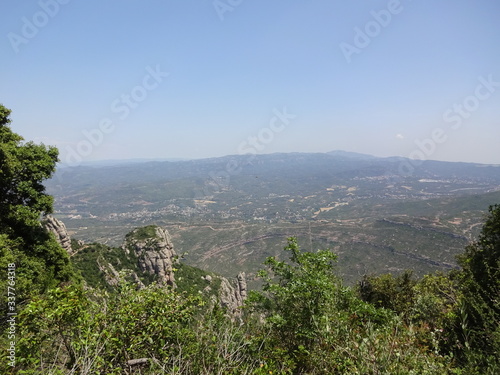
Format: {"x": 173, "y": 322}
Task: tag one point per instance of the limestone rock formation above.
{"x": 111, "y": 276}
{"x": 154, "y": 250}
{"x": 232, "y": 296}
{"x": 57, "y": 227}
{"x": 137, "y": 281}
{"x": 242, "y": 286}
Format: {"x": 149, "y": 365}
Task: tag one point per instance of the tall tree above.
{"x": 479, "y": 326}
{"x": 23, "y": 167}
{"x": 38, "y": 259}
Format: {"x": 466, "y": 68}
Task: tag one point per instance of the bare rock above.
{"x": 232, "y": 295}
{"x": 58, "y": 228}
{"x": 137, "y": 281}
{"x": 207, "y": 278}
{"x": 155, "y": 252}
{"x": 242, "y": 286}
{"x": 111, "y": 275}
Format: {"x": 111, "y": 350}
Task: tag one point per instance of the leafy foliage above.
{"x": 298, "y": 296}
{"x": 387, "y": 291}
{"x": 40, "y": 262}
{"x": 142, "y": 233}
{"x": 318, "y": 326}
{"x": 478, "y": 326}
{"x": 70, "y": 329}
{"x": 92, "y": 261}
{"x": 23, "y": 167}
{"x": 192, "y": 280}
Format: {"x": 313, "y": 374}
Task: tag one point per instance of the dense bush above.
{"x": 478, "y": 316}
{"x": 75, "y": 331}
{"x": 318, "y": 326}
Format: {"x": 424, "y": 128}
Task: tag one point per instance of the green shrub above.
{"x": 68, "y": 331}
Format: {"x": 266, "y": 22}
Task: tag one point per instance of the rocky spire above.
{"x": 154, "y": 250}
{"x": 57, "y": 227}
{"x": 232, "y": 296}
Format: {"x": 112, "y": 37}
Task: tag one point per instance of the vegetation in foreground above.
{"x": 304, "y": 321}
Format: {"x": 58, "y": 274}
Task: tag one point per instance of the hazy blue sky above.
{"x": 202, "y": 78}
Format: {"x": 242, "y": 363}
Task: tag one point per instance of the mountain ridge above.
{"x": 335, "y": 153}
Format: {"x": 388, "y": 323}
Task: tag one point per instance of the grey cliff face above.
{"x": 231, "y": 296}
{"x": 242, "y": 286}
{"x": 155, "y": 254}
{"x": 57, "y": 227}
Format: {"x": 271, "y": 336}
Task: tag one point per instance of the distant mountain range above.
{"x": 335, "y": 153}
{"x": 114, "y": 162}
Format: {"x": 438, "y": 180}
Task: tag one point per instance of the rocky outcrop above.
{"x": 138, "y": 282}
{"x": 111, "y": 276}
{"x": 242, "y": 286}
{"x": 154, "y": 250}
{"x": 58, "y": 228}
{"x": 232, "y": 296}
